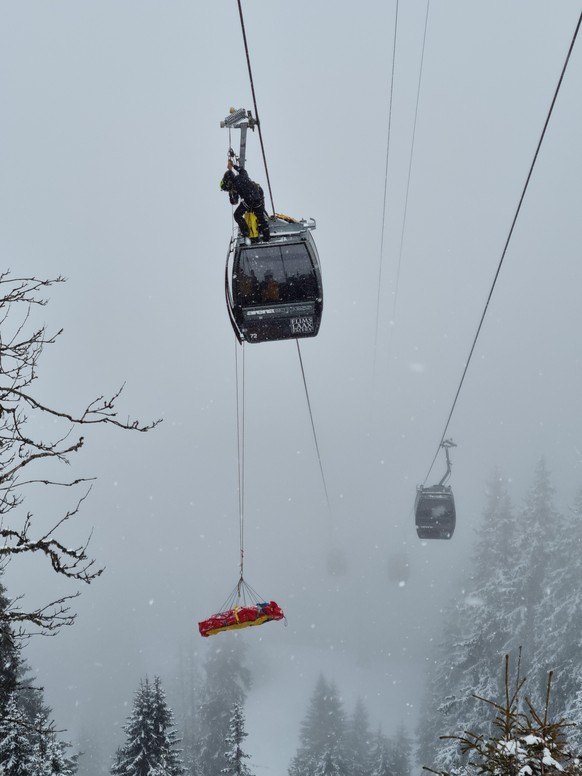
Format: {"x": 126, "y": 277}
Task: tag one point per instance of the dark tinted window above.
{"x": 275, "y": 273}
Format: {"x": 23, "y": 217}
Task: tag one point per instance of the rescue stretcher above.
{"x": 240, "y": 617}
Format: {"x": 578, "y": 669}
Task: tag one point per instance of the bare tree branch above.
{"x": 100, "y": 410}
{"x": 72, "y": 562}
{"x": 21, "y": 446}
{"x": 48, "y": 618}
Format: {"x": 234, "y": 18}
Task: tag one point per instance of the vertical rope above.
{"x": 240, "y": 436}
{"x": 273, "y": 207}
{"x": 242, "y": 467}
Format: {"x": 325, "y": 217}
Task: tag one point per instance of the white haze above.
{"x": 110, "y": 161}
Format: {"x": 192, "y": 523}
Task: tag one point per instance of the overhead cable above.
{"x": 314, "y": 431}
{"x": 244, "y": 34}
{"x": 509, "y": 236}
{"x": 404, "y": 218}
{"x": 385, "y": 188}
{"x": 273, "y": 206}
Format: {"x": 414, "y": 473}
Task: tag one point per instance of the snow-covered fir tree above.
{"x": 401, "y": 753}
{"x": 234, "y": 755}
{"x": 322, "y": 736}
{"x": 522, "y": 597}
{"x": 49, "y": 755}
{"x": 186, "y": 692}
{"x": 30, "y": 696}
{"x": 391, "y": 756}
{"x": 9, "y": 655}
{"x": 28, "y": 744}
{"x": 151, "y": 739}
{"x": 16, "y": 748}
{"x": 227, "y": 683}
{"x": 559, "y": 617}
{"x": 331, "y": 763}
{"x": 477, "y": 630}
{"x": 170, "y": 762}
{"x": 358, "y": 743}
{"x": 539, "y": 527}
{"x": 380, "y": 759}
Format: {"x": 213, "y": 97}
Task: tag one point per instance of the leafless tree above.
{"x": 23, "y": 449}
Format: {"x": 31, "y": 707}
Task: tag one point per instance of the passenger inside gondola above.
{"x": 248, "y": 287}
{"x": 269, "y": 288}
{"x": 287, "y": 274}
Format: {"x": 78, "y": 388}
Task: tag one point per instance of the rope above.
{"x": 510, "y": 234}
{"x": 314, "y": 431}
{"x": 385, "y": 192}
{"x": 274, "y": 211}
{"x": 244, "y": 34}
{"x": 242, "y": 593}
{"x": 240, "y": 436}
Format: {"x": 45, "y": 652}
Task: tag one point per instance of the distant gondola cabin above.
{"x": 434, "y": 511}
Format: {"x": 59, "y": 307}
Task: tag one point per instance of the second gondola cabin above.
{"x": 434, "y": 512}
{"x": 273, "y": 289}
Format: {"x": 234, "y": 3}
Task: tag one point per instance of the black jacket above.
{"x": 249, "y": 191}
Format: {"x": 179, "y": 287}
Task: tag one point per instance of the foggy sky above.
{"x": 110, "y": 162}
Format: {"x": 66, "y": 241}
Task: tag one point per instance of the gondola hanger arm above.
{"x": 447, "y": 443}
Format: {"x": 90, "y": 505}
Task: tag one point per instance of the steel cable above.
{"x": 314, "y": 431}
{"x": 385, "y": 191}
{"x": 244, "y": 34}
{"x": 507, "y": 241}
{"x": 273, "y": 206}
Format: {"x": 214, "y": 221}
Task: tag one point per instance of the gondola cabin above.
{"x": 273, "y": 289}
{"x": 434, "y": 511}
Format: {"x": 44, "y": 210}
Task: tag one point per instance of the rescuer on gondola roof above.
{"x": 251, "y": 197}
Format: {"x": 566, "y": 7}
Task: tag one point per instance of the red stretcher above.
{"x": 240, "y": 617}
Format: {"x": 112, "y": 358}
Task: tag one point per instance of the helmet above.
{"x": 227, "y": 181}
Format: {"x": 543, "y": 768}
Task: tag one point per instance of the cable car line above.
{"x": 385, "y": 189}
{"x": 404, "y": 218}
{"x": 509, "y": 236}
{"x": 314, "y": 431}
{"x": 287, "y": 305}
{"x": 244, "y": 34}
{"x": 274, "y": 211}
{"x": 405, "y": 214}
